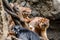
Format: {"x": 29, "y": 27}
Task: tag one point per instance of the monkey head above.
{"x": 39, "y": 22}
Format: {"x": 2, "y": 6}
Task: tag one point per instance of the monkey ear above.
{"x": 31, "y": 27}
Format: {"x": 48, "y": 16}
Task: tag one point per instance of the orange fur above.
{"x": 36, "y": 26}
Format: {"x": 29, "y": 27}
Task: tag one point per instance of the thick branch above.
{"x": 6, "y": 5}
{"x": 5, "y": 24}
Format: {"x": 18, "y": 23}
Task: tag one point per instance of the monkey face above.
{"x": 43, "y": 23}
{"x": 39, "y": 22}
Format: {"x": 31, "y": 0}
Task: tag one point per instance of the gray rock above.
{"x": 35, "y": 1}
{"x": 28, "y": 5}
{"x": 23, "y": 3}
{"x": 56, "y": 4}
{"x": 34, "y": 13}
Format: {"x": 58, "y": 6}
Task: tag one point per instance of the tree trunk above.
{"x": 5, "y": 23}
